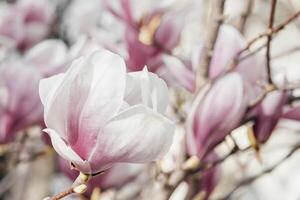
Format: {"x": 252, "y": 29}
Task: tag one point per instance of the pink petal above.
{"x": 66, "y": 151}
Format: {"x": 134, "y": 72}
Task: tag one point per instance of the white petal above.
{"x": 136, "y": 135}
{"x": 147, "y": 88}
{"x": 48, "y": 86}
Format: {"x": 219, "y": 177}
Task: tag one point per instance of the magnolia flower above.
{"x": 25, "y": 23}
{"x": 268, "y": 113}
{"x": 19, "y": 105}
{"x": 216, "y": 112}
{"x": 153, "y": 32}
{"x": 98, "y": 115}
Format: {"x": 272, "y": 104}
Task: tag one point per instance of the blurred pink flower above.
{"x": 25, "y": 23}
{"x": 98, "y": 115}
{"x": 20, "y": 105}
{"x": 49, "y": 57}
{"x": 153, "y": 34}
{"x": 215, "y": 113}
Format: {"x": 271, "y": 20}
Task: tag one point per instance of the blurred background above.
{"x": 251, "y": 149}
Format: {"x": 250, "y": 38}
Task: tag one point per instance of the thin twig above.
{"x": 269, "y": 40}
{"x": 267, "y": 171}
{"x": 217, "y": 19}
{"x": 274, "y": 30}
{"x": 63, "y": 194}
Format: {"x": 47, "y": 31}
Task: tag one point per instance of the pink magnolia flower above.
{"x": 25, "y": 23}
{"x": 216, "y": 112}
{"x": 98, "y": 115}
{"x": 19, "y": 104}
{"x": 268, "y": 113}
{"x": 115, "y": 177}
{"x": 152, "y": 33}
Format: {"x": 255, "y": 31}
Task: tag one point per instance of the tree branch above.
{"x": 267, "y": 171}
{"x": 217, "y": 19}
{"x": 269, "y": 40}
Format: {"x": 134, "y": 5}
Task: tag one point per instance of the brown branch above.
{"x": 212, "y": 34}
{"x": 63, "y": 194}
{"x": 267, "y": 171}
{"x": 269, "y": 40}
{"x": 79, "y": 187}
{"x": 274, "y": 30}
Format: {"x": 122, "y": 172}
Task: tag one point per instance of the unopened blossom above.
{"x": 25, "y": 22}
{"x": 268, "y": 113}
{"x": 215, "y": 113}
{"x": 20, "y": 106}
{"x": 97, "y": 114}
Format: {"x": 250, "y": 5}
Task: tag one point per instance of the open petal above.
{"x": 48, "y": 86}
{"x": 146, "y": 88}
{"x": 136, "y": 135}
{"x": 66, "y": 152}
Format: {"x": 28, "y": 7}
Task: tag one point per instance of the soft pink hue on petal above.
{"x": 77, "y": 99}
{"x": 292, "y": 112}
{"x": 103, "y": 117}
{"x": 104, "y": 100}
{"x": 268, "y": 114}
{"x": 177, "y": 68}
{"x": 148, "y": 89}
{"x": 48, "y": 56}
{"x": 219, "y": 112}
{"x": 169, "y": 32}
{"x": 228, "y": 43}
{"x": 66, "y": 151}
{"x": 136, "y": 135}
